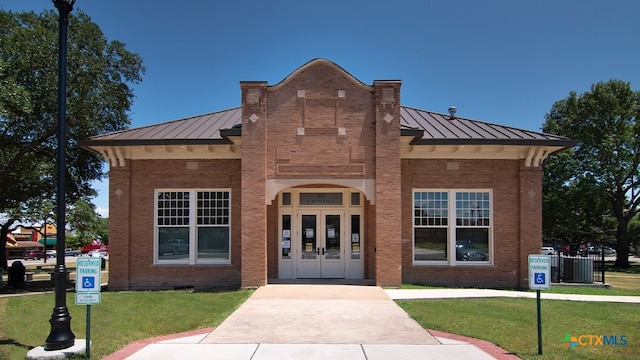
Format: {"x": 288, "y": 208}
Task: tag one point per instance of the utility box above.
{"x": 16, "y": 274}
{"x": 578, "y": 270}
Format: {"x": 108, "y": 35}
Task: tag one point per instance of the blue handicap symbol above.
{"x": 539, "y": 278}
{"x": 87, "y": 282}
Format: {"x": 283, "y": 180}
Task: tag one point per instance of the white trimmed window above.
{"x": 452, "y": 226}
{"x": 193, "y": 226}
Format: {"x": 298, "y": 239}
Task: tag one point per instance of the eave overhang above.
{"x": 532, "y": 152}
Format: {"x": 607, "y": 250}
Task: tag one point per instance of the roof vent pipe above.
{"x": 452, "y": 112}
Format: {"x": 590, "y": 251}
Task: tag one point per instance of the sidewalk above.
{"x": 414, "y": 294}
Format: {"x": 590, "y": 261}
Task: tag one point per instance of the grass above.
{"x": 120, "y": 319}
{"x": 512, "y": 324}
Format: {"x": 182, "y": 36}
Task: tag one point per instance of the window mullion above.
{"x": 452, "y": 227}
{"x": 193, "y": 226}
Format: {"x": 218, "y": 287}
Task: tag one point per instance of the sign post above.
{"x": 88, "y": 283}
{"x": 539, "y": 279}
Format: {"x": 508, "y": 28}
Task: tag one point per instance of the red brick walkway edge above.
{"x": 488, "y": 347}
{"x": 138, "y": 345}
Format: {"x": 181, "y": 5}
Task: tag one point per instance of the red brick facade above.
{"x": 320, "y": 129}
{"x": 517, "y": 231}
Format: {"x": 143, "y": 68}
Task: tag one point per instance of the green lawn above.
{"x": 512, "y": 324}
{"x": 120, "y": 319}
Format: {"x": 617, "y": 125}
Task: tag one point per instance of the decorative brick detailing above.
{"x": 530, "y": 218}
{"x": 388, "y": 187}
{"x": 253, "y": 209}
{"x": 119, "y": 227}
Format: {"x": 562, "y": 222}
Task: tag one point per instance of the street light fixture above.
{"x": 61, "y": 336}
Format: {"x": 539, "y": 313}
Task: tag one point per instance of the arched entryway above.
{"x": 320, "y": 233}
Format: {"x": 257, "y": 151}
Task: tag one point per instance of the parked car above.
{"x": 600, "y": 249}
{"x": 175, "y": 247}
{"x": 593, "y": 250}
{"x": 466, "y": 251}
{"x": 51, "y": 253}
{"x": 548, "y": 250}
{"x": 34, "y": 254}
{"x": 86, "y": 249}
{"x": 98, "y": 253}
{"x": 71, "y": 252}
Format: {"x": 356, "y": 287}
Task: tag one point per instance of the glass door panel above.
{"x": 286, "y": 237}
{"x": 332, "y": 250}
{"x": 308, "y": 263}
{"x": 309, "y": 237}
{"x": 332, "y": 264}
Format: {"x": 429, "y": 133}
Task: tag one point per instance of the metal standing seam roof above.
{"x": 441, "y": 129}
{"x": 428, "y": 128}
{"x": 201, "y": 129}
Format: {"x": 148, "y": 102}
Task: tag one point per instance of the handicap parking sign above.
{"x": 88, "y": 274}
{"x": 539, "y": 272}
{"x": 88, "y": 282}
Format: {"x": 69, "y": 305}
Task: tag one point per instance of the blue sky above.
{"x": 502, "y": 61}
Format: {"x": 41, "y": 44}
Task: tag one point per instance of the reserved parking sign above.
{"x": 88, "y": 274}
{"x": 539, "y": 272}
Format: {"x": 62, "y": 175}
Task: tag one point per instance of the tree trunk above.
{"x": 622, "y": 250}
{"x": 4, "y": 231}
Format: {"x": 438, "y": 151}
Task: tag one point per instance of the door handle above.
{"x": 322, "y": 251}
{"x": 318, "y": 251}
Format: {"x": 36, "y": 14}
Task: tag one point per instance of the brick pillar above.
{"x": 530, "y": 218}
{"x": 119, "y": 227}
{"x": 253, "y": 173}
{"x": 388, "y": 233}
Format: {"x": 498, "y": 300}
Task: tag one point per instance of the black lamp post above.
{"x": 61, "y": 336}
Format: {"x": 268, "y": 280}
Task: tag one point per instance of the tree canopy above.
{"x": 593, "y": 188}
{"x": 99, "y": 95}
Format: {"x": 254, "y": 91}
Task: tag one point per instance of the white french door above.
{"x": 320, "y": 239}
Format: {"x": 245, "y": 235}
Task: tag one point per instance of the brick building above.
{"x": 323, "y": 177}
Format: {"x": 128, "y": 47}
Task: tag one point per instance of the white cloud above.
{"x": 103, "y": 212}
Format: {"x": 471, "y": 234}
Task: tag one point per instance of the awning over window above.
{"x": 50, "y": 241}
{"x": 27, "y": 245}
{"x": 11, "y": 241}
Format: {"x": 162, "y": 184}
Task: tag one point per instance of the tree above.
{"x": 634, "y": 231}
{"x": 98, "y": 98}
{"x": 605, "y": 165}
{"x": 85, "y": 223}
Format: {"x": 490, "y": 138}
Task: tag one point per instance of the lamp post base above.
{"x": 78, "y": 348}
{"x": 61, "y": 336}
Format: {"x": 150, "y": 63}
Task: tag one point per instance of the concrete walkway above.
{"x": 316, "y": 322}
